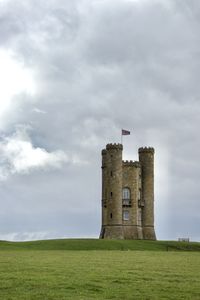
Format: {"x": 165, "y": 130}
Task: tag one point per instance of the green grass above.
{"x": 96, "y": 244}
{"x": 44, "y": 270}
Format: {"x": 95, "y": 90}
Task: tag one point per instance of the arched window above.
{"x": 126, "y": 196}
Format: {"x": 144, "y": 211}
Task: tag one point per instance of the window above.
{"x": 125, "y": 215}
{"x": 111, "y": 215}
{"x": 126, "y": 197}
{"x": 111, "y": 194}
{"x": 126, "y": 193}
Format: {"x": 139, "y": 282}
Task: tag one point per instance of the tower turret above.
{"x": 112, "y": 192}
{"x": 104, "y": 194}
{"x": 146, "y": 159}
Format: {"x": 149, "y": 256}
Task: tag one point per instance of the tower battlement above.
{"x": 131, "y": 163}
{"x": 127, "y": 194}
{"x": 114, "y": 146}
{"x": 146, "y": 149}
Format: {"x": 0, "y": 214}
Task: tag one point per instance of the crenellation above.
{"x": 128, "y": 163}
{"x": 146, "y": 149}
{"x": 114, "y": 146}
{"x": 131, "y": 163}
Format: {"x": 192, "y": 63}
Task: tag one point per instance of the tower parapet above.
{"x": 114, "y": 146}
{"x": 131, "y": 163}
{"x": 146, "y": 150}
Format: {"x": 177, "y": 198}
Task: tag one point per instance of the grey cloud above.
{"x": 100, "y": 66}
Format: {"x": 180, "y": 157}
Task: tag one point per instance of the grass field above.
{"x": 96, "y": 244}
{"x": 54, "y": 270}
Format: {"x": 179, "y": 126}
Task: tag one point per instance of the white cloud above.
{"x": 26, "y": 236}
{"x": 18, "y": 155}
{"x": 15, "y": 79}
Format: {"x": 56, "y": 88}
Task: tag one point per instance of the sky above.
{"x": 72, "y": 74}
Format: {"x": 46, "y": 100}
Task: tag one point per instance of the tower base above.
{"x": 132, "y": 232}
{"x": 112, "y": 232}
{"x": 149, "y": 233}
{"x": 121, "y": 232}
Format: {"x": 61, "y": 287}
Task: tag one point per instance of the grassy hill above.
{"x": 96, "y": 244}
{"x": 156, "y": 270}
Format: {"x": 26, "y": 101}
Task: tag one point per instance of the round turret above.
{"x": 146, "y": 159}
{"x": 114, "y": 183}
{"x": 112, "y": 191}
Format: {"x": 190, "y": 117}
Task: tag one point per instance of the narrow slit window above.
{"x": 140, "y": 194}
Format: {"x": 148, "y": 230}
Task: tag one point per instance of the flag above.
{"x": 125, "y": 132}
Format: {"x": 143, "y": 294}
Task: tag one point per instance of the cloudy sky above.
{"x": 72, "y": 74}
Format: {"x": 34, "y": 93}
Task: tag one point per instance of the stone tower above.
{"x": 127, "y": 195}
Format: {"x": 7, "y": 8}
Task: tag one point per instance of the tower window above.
{"x": 111, "y": 173}
{"x": 126, "y": 197}
{"x": 126, "y": 194}
{"x": 125, "y": 215}
{"x": 111, "y": 215}
{"x": 111, "y": 194}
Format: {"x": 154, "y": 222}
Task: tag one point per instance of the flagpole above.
{"x": 124, "y": 132}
